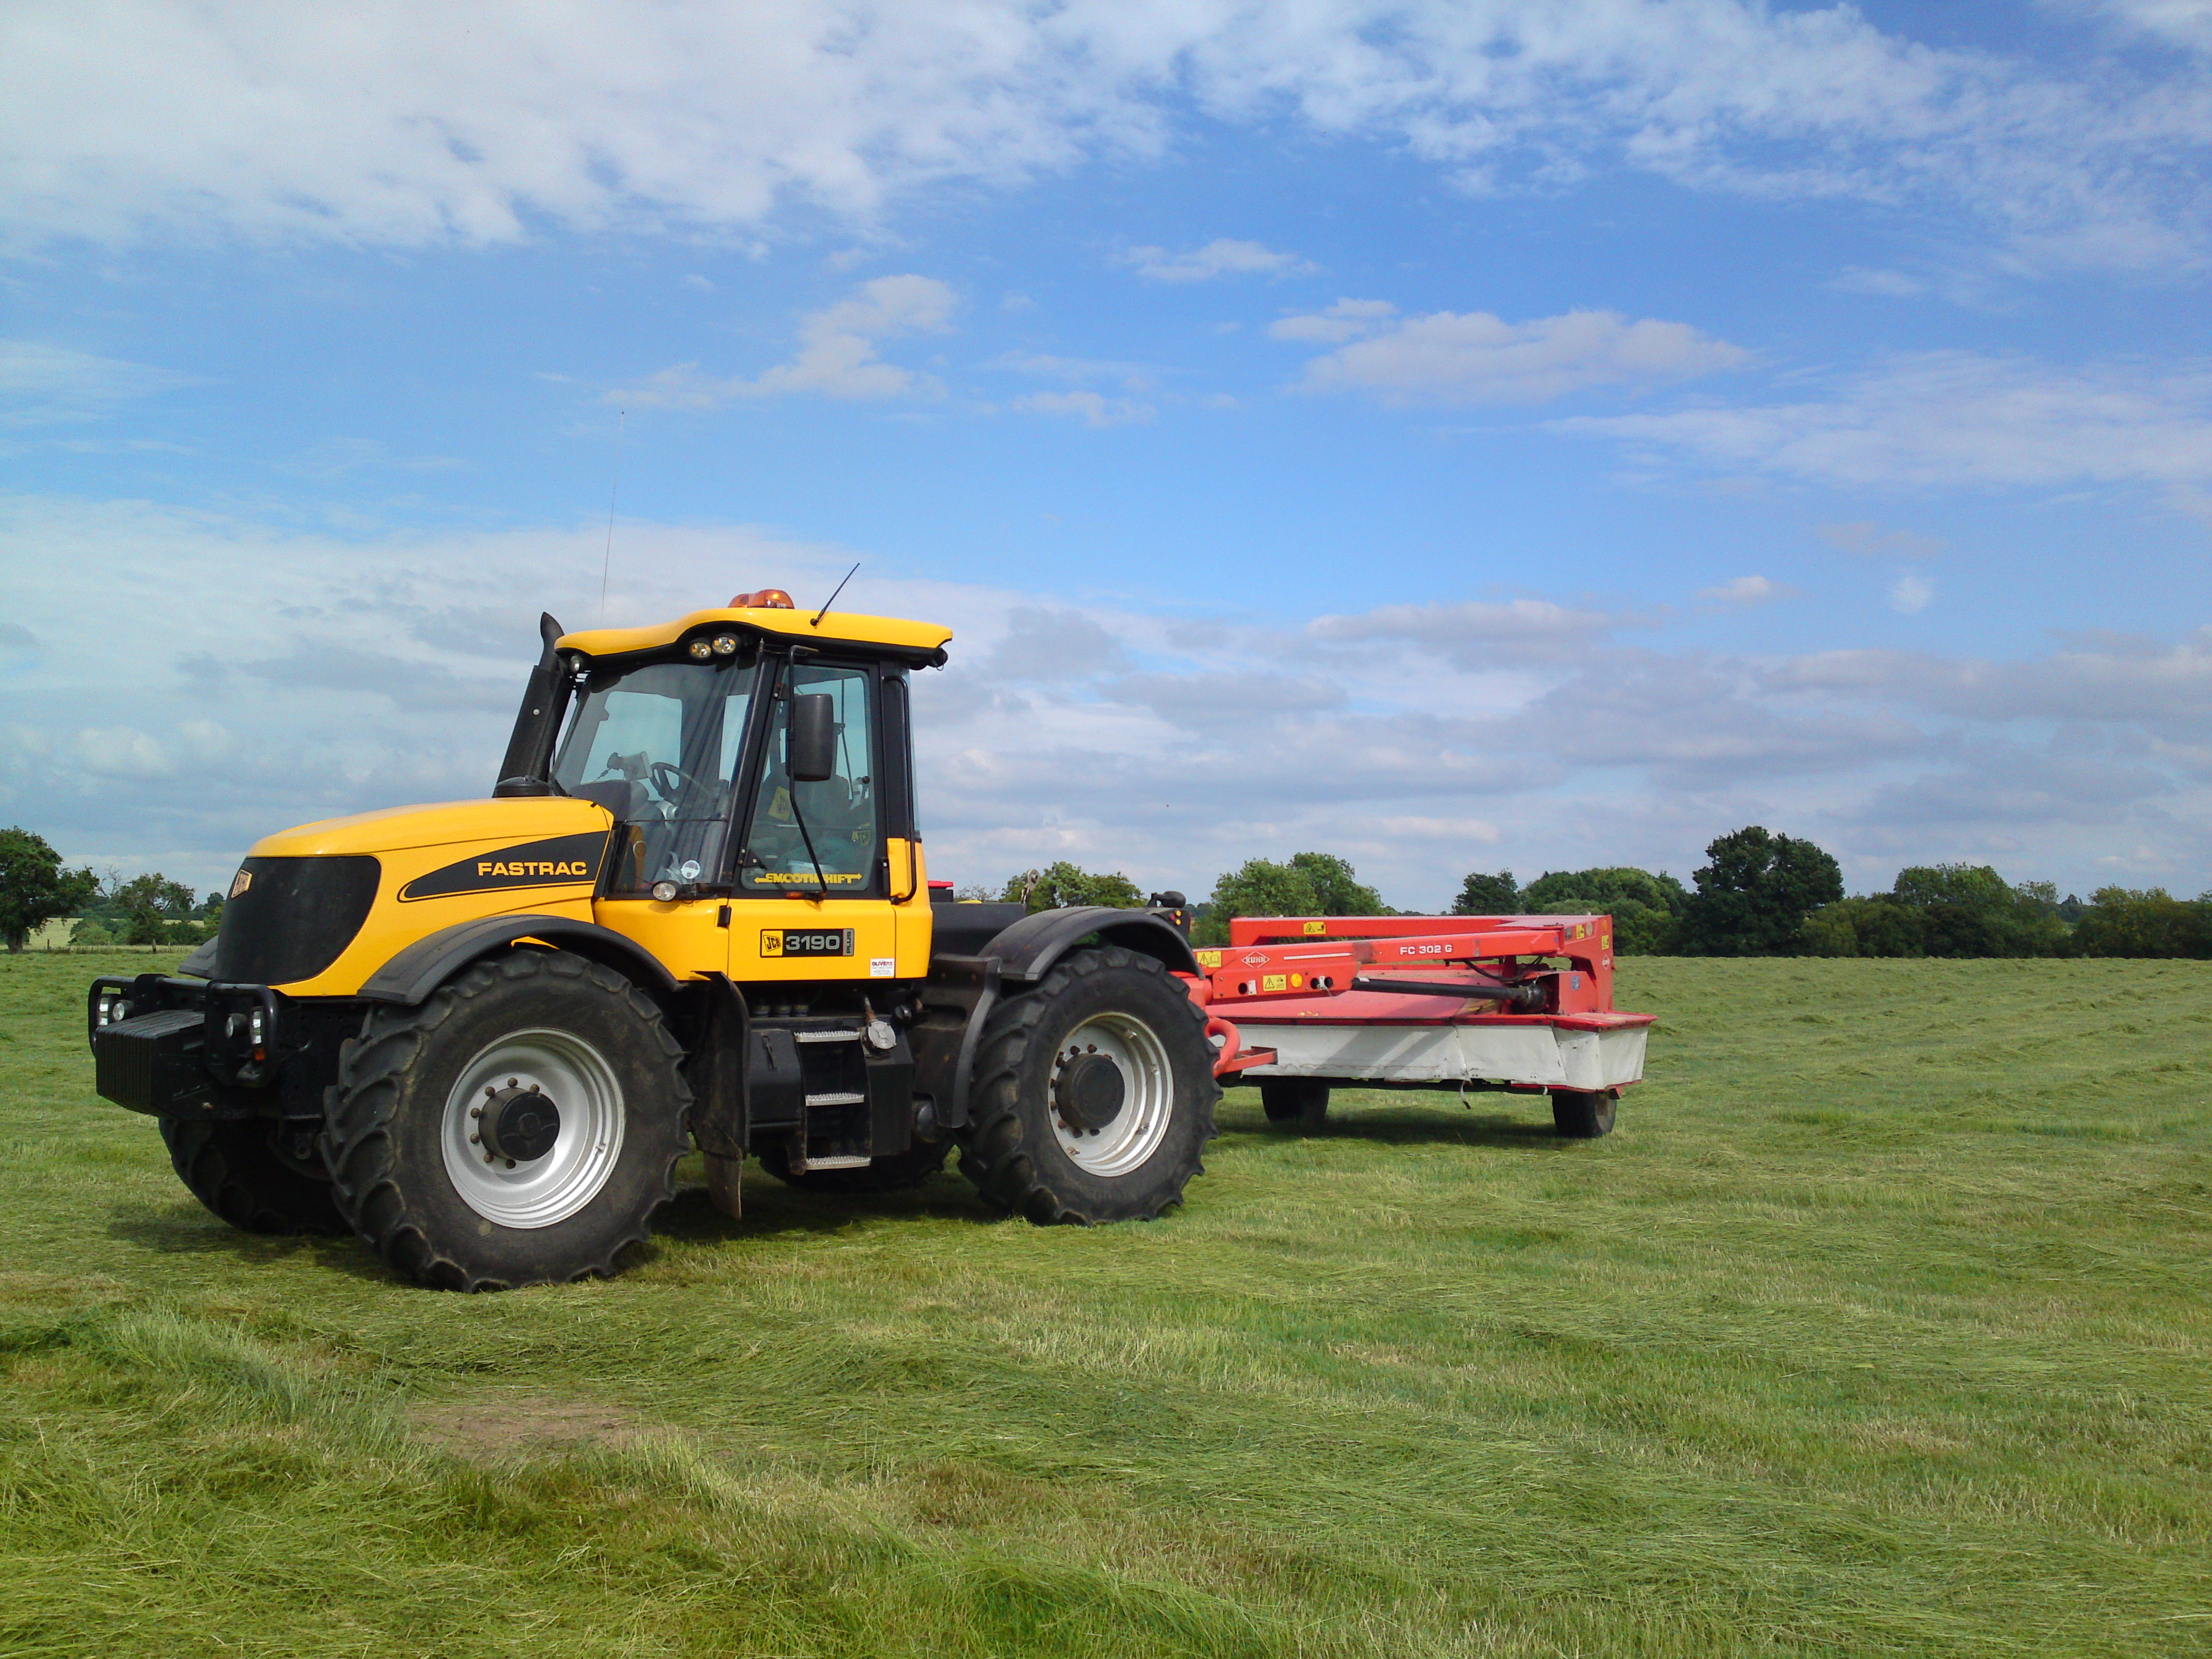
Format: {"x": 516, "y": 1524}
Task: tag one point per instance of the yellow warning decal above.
{"x": 1316, "y": 927}
{"x": 1208, "y": 959}
{"x": 1274, "y": 982}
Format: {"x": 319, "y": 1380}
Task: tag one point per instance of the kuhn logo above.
{"x": 1256, "y": 959}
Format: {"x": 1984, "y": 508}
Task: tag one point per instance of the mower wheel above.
{"x": 1294, "y": 1102}
{"x": 1094, "y": 1093}
{"x": 520, "y": 1126}
{"x": 1582, "y": 1114}
{"x": 232, "y": 1168}
{"x": 885, "y": 1175}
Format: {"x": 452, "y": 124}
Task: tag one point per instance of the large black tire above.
{"x": 885, "y": 1175}
{"x": 234, "y": 1170}
{"x": 1294, "y": 1102}
{"x": 1583, "y": 1115}
{"x": 396, "y": 1136}
{"x": 1034, "y": 1048}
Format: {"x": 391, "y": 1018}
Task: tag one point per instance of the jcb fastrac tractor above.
{"x": 694, "y": 911}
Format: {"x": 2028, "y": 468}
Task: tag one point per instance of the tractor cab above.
{"x": 753, "y": 758}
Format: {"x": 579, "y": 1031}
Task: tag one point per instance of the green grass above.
{"x": 1881, "y": 1325}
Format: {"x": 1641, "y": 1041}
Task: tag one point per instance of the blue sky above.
{"x": 1494, "y": 435}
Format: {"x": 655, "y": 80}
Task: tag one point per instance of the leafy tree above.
{"x": 1336, "y": 887}
{"x": 1874, "y": 926}
{"x": 151, "y": 906}
{"x": 1755, "y": 895}
{"x": 1481, "y": 894}
{"x": 1063, "y": 883}
{"x": 2121, "y": 921}
{"x": 1941, "y": 910}
{"x": 1259, "y": 887}
{"x": 1646, "y": 909}
{"x": 1970, "y": 910}
{"x": 34, "y": 889}
{"x": 1309, "y": 884}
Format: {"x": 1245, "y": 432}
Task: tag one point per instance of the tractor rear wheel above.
{"x": 1297, "y": 1101}
{"x": 885, "y": 1175}
{"x": 1583, "y": 1114}
{"x": 233, "y": 1167}
{"x": 1094, "y": 1093}
{"x": 519, "y": 1128}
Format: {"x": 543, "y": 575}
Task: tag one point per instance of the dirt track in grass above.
{"x": 1881, "y": 1324}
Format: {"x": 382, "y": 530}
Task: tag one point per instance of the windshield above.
{"x": 658, "y": 748}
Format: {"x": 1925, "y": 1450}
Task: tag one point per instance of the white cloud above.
{"x": 42, "y": 384}
{"x": 1477, "y": 358}
{"x": 1744, "y": 590}
{"x": 837, "y": 354}
{"x": 2177, "y": 22}
{"x": 413, "y": 123}
{"x": 1912, "y": 593}
{"x": 1890, "y": 284}
{"x": 1220, "y": 258}
{"x": 1344, "y": 320}
{"x": 1954, "y": 418}
{"x": 1094, "y": 408}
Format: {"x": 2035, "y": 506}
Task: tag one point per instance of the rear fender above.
{"x": 962, "y": 990}
{"x": 423, "y": 966}
{"x": 1027, "y": 950}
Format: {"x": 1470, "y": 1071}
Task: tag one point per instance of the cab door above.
{"x": 809, "y": 898}
{"x": 906, "y": 873}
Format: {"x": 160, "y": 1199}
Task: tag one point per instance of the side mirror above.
{"x": 810, "y": 742}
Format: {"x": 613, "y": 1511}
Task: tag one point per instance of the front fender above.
{"x": 432, "y": 960}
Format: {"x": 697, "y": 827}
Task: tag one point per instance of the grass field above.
{"x": 1881, "y": 1325}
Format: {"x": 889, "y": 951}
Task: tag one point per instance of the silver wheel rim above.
{"x": 548, "y": 1189}
{"x": 1147, "y": 1098}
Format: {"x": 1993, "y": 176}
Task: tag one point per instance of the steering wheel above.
{"x": 667, "y": 780}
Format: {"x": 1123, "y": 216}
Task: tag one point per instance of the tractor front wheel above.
{"x": 1094, "y": 1093}
{"x": 519, "y": 1128}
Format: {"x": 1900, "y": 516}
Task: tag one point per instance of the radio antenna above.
{"x": 832, "y": 599}
{"x": 606, "y": 563}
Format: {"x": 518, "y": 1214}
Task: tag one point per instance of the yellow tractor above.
{"x": 693, "y": 912}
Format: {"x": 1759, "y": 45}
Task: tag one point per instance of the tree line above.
{"x": 1758, "y": 894}
{"x": 36, "y": 888}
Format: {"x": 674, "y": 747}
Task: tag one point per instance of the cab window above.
{"x": 832, "y": 823}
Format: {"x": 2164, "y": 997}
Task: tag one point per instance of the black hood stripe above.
{"x": 561, "y": 861}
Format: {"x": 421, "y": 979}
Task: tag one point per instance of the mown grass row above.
{"x": 1881, "y": 1325}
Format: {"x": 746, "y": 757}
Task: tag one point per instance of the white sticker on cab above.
{"x": 882, "y": 967}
